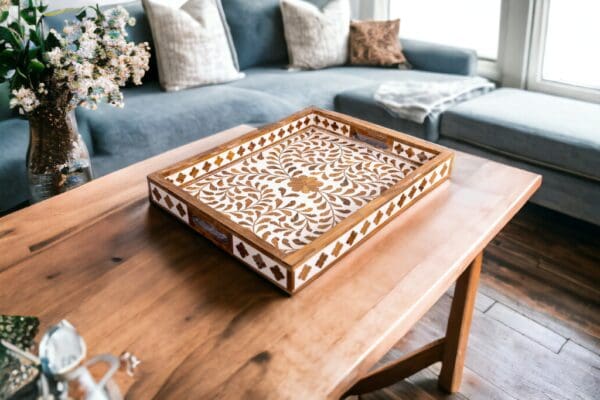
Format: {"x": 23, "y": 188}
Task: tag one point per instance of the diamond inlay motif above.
{"x": 260, "y": 262}
{"x": 157, "y": 194}
{"x": 169, "y": 203}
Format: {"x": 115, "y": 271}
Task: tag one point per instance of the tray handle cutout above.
{"x": 380, "y": 142}
{"x": 211, "y": 230}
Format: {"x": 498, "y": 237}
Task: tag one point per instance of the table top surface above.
{"x": 130, "y": 277}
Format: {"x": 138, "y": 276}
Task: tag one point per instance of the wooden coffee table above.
{"x": 130, "y": 277}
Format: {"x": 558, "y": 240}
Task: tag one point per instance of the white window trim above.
{"x": 520, "y": 50}
{"x": 485, "y": 67}
{"x": 534, "y": 72}
{"x": 513, "y": 49}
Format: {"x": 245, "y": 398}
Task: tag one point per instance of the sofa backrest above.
{"x": 257, "y": 31}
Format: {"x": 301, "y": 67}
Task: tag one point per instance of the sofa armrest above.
{"x": 435, "y": 57}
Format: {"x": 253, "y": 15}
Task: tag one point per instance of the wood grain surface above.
{"x": 129, "y": 277}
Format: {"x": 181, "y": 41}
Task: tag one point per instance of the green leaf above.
{"x": 6, "y": 56}
{"x": 32, "y": 53}
{"x": 36, "y": 65}
{"x": 3, "y": 16}
{"x": 35, "y": 38}
{"x": 8, "y": 35}
{"x": 81, "y": 15}
{"x": 39, "y": 32}
{"x": 17, "y": 81}
{"x": 18, "y": 29}
{"x": 20, "y": 73}
{"x": 51, "y": 42}
{"x": 29, "y": 14}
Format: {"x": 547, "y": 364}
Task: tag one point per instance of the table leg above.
{"x": 459, "y": 324}
{"x": 450, "y": 350}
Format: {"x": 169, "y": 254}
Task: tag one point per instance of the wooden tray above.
{"x": 292, "y": 198}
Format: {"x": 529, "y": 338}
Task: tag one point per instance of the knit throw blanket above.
{"x": 416, "y": 100}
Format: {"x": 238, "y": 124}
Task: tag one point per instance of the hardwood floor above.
{"x": 536, "y": 327}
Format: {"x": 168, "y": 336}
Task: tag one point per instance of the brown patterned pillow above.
{"x": 375, "y": 43}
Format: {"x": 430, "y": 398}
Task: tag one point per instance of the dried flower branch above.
{"x": 90, "y": 59}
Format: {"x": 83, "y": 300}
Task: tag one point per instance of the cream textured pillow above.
{"x": 316, "y": 38}
{"x": 192, "y": 43}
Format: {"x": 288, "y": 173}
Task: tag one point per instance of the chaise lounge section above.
{"x": 556, "y": 137}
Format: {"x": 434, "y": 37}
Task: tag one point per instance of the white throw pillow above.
{"x": 316, "y": 38}
{"x": 192, "y": 43}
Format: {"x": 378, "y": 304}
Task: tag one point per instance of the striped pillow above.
{"x": 192, "y": 43}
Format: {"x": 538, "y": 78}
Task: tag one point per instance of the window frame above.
{"x": 535, "y": 79}
{"x": 521, "y": 45}
{"x": 486, "y": 67}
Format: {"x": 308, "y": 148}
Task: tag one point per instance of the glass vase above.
{"x": 57, "y": 159}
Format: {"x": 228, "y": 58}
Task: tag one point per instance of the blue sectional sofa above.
{"x": 154, "y": 121}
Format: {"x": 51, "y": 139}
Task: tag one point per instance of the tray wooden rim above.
{"x": 296, "y": 259}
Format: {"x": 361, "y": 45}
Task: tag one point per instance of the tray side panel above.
{"x": 261, "y": 263}
{"x": 412, "y": 153}
{"x": 169, "y": 202}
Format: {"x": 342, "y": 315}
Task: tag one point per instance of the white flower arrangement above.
{"x": 90, "y": 59}
{"x": 24, "y": 98}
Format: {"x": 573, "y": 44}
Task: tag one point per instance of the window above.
{"x": 473, "y": 24}
{"x": 564, "y": 53}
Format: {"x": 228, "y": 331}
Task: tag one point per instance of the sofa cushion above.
{"x": 567, "y": 193}
{"x": 361, "y": 102}
{"x": 434, "y": 57}
{"x": 553, "y": 131}
{"x": 380, "y": 74}
{"x": 154, "y": 121}
{"x": 300, "y": 88}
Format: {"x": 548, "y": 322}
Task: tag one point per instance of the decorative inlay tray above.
{"x": 292, "y": 198}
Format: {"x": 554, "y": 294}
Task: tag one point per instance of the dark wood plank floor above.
{"x": 536, "y": 327}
